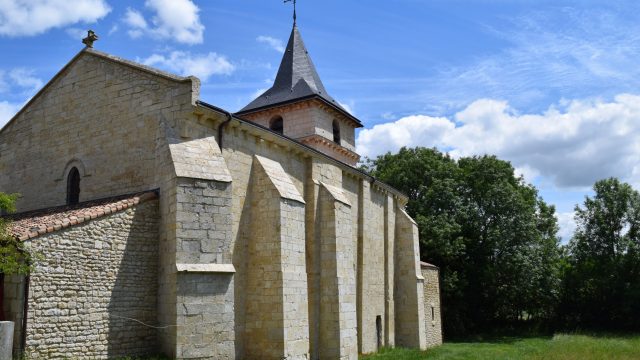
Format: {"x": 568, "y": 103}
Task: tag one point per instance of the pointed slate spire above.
{"x": 297, "y": 79}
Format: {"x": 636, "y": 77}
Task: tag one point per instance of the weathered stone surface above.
{"x": 276, "y": 323}
{"x": 95, "y": 288}
{"x": 6, "y": 340}
{"x": 410, "y": 328}
{"x": 432, "y": 314}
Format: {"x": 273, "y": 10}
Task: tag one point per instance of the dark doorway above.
{"x": 379, "y": 331}
{"x": 73, "y": 187}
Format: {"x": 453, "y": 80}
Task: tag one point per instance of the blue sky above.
{"x": 552, "y": 86}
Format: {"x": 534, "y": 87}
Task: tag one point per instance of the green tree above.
{"x": 492, "y": 236}
{"x": 602, "y": 282}
{"x": 14, "y": 259}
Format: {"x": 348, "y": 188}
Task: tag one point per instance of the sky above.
{"x": 551, "y": 86}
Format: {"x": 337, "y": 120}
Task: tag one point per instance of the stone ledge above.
{"x": 206, "y": 268}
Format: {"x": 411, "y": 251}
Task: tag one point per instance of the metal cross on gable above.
{"x": 294, "y": 9}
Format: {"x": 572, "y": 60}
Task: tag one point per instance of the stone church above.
{"x": 164, "y": 224}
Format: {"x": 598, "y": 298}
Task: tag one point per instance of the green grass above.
{"x": 561, "y": 346}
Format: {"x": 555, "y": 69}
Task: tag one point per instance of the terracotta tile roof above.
{"x": 427, "y": 265}
{"x": 34, "y": 223}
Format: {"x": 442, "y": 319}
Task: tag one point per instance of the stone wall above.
{"x": 337, "y": 317}
{"x": 14, "y": 306}
{"x": 432, "y": 315}
{"x": 95, "y": 286}
{"x": 98, "y": 115}
{"x": 409, "y": 290}
{"x": 371, "y": 267}
{"x": 311, "y": 123}
{"x": 276, "y": 325}
{"x": 373, "y": 216}
{"x": 307, "y": 118}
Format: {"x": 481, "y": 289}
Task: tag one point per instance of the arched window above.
{"x": 336, "y": 132}
{"x": 276, "y": 124}
{"x": 73, "y": 186}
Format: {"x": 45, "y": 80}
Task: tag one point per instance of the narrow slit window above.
{"x": 336, "y": 132}
{"x": 73, "y": 187}
{"x": 277, "y": 124}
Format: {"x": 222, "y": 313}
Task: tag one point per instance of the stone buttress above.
{"x": 196, "y": 280}
{"x": 276, "y": 325}
{"x": 410, "y": 329}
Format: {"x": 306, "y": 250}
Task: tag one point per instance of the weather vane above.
{"x": 294, "y": 9}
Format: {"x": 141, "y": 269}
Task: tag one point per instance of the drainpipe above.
{"x": 222, "y": 126}
{"x": 25, "y": 314}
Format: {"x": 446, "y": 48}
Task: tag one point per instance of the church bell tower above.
{"x": 298, "y": 106}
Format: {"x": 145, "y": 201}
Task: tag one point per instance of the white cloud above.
{"x": 20, "y": 81}
{"x": 275, "y": 44}
{"x": 567, "y": 225}
{"x": 572, "y": 146}
{"x": 33, "y": 17}
{"x": 177, "y": 20}
{"x": 24, "y": 78}
{"x": 76, "y": 33}
{"x": 184, "y": 63}
{"x": 135, "y": 19}
{"x": 7, "y": 111}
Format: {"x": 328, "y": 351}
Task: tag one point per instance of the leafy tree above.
{"x": 14, "y": 259}
{"x": 492, "y": 236}
{"x": 602, "y": 279}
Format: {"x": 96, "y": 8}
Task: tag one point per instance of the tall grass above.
{"x": 561, "y": 347}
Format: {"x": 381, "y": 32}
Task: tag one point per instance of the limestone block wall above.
{"x": 93, "y": 281}
{"x": 308, "y": 118}
{"x": 298, "y": 119}
{"x": 98, "y": 115}
{"x": 433, "y": 319}
{"x": 196, "y": 286}
{"x": 389, "y": 269}
{"x": 371, "y": 270}
{"x": 276, "y": 319}
{"x": 409, "y": 300}
{"x": 204, "y": 291}
{"x": 374, "y": 235}
{"x": 337, "y": 315}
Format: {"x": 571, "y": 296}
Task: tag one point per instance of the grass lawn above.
{"x": 565, "y": 347}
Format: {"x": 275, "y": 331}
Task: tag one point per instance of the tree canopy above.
{"x": 602, "y": 274}
{"x": 14, "y": 259}
{"x": 494, "y": 239}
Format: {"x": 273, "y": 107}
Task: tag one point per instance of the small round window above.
{"x": 276, "y": 124}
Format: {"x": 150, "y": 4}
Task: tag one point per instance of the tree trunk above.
{"x": 2, "y": 297}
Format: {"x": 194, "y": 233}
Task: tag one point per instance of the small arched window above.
{"x": 336, "y": 132}
{"x": 73, "y": 186}
{"x": 276, "y": 124}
